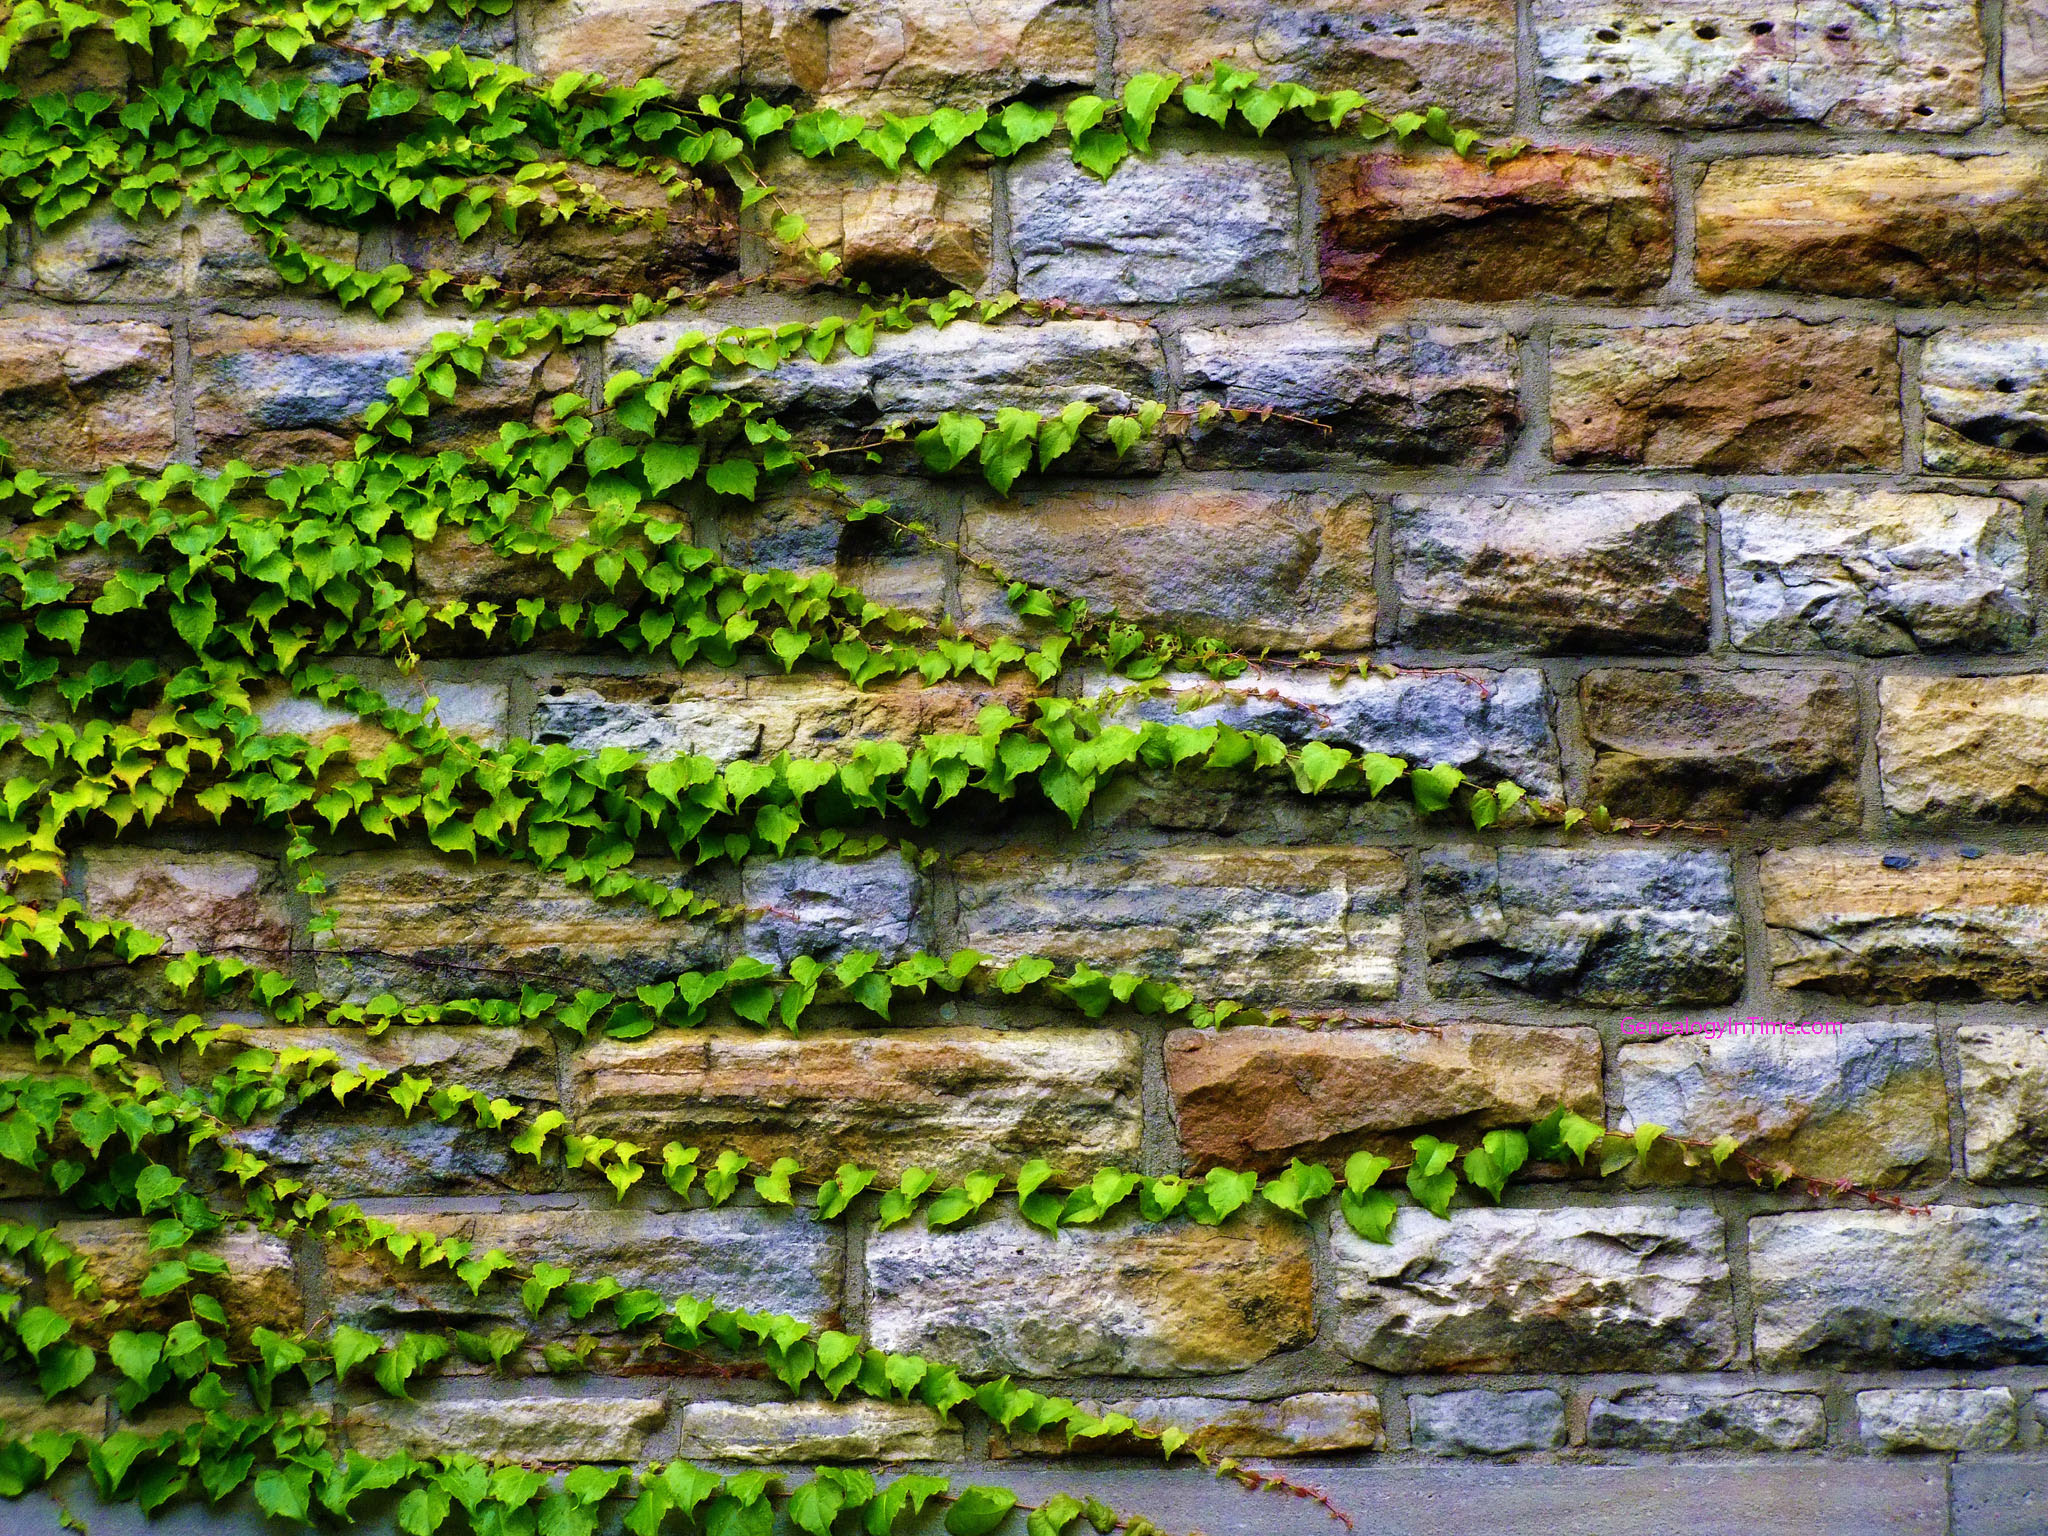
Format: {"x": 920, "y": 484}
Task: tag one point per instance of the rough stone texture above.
{"x": 212, "y": 902}
{"x": 805, "y": 534}
{"x": 1909, "y": 228}
{"x": 2026, "y": 64}
{"x": 1127, "y": 1299}
{"x": 274, "y": 390}
{"x": 1866, "y": 1103}
{"x": 1302, "y": 924}
{"x": 421, "y": 925}
{"x": 2005, "y": 1101}
{"x": 827, "y": 907}
{"x": 1482, "y": 1423}
{"x": 24, "y": 1413}
{"x": 750, "y": 1258}
{"x": 1581, "y": 1288}
{"x": 693, "y": 46}
{"x": 100, "y": 256}
{"x": 1918, "y": 65}
{"x": 1649, "y": 1419}
{"x": 1578, "y": 224}
{"x": 1306, "y": 1424}
{"x": 550, "y": 1429}
{"x": 1880, "y": 573}
{"x": 1723, "y": 747}
{"x": 909, "y": 232}
{"x": 259, "y": 1290}
{"x": 1401, "y": 54}
{"x": 725, "y": 715}
{"x": 1960, "y": 1285}
{"x": 1252, "y": 568}
{"x": 478, "y": 710}
{"x": 1169, "y": 227}
{"x": 1604, "y": 570}
{"x": 1398, "y": 394}
{"x": 1757, "y": 396}
{"x": 1964, "y": 746}
{"x": 951, "y": 1102}
{"x": 1613, "y": 929}
{"x": 1491, "y": 724}
{"x": 1938, "y": 1418}
{"x": 1255, "y": 1096}
{"x": 853, "y": 1430}
{"x": 1984, "y": 392}
{"x": 80, "y": 395}
{"x": 1941, "y": 926}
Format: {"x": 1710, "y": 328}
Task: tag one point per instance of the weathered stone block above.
{"x": 1649, "y": 1419}
{"x": 1933, "y": 926}
{"x": 24, "y": 1413}
{"x": 1294, "y": 923}
{"x": 1903, "y": 227}
{"x": 276, "y": 390}
{"x": 1984, "y": 394}
{"x": 1938, "y": 1418}
{"x": 828, "y": 907}
{"x": 1964, "y": 746}
{"x": 1402, "y": 54}
{"x": 1129, "y": 1299}
{"x": 1400, "y": 394}
{"x": 1552, "y": 221}
{"x": 2025, "y": 57}
{"x": 2005, "y": 1101}
{"x": 211, "y": 902}
{"x": 1577, "y": 1288}
{"x": 83, "y": 394}
{"x": 691, "y": 47}
{"x": 1482, "y": 1423}
{"x": 478, "y": 710}
{"x": 912, "y": 232}
{"x": 1866, "y": 1103}
{"x": 805, "y": 534}
{"x": 766, "y": 1433}
{"x": 1762, "y": 396}
{"x": 545, "y": 1429}
{"x": 1918, "y": 66}
{"x": 1255, "y": 1096}
{"x": 1605, "y": 570}
{"x": 1251, "y": 567}
{"x": 259, "y": 1290}
{"x": 1880, "y": 573}
{"x": 1960, "y": 1286}
{"x": 1306, "y": 1424}
{"x": 102, "y": 256}
{"x": 951, "y": 1101}
{"x": 1609, "y": 929}
{"x": 1169, "y": 227}
{"x": 1723, "y": 746}
{"x": 419, "y": 925}
{"x": 453, "y": 564}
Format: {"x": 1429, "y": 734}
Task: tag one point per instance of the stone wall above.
{"x": 1691, "y": 463}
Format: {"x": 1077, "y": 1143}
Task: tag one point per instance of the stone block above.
{"x": 544, "y": 1429}
{"x": 101, "y": 256}
{"x": 1907, "y": 228}
{"x": 1938, "y": 1418}
{"x": 1404, "y": 55}
{"x": 1294, "y": 923}
{"x": 210, "y": 902}
{"x": 1885, "y": 928}
{"x": 951, "y": 1101}
{"x": 1984, "y": 396}
{"x": 1306, "y": 1424}
{"x": 1879, "y": 573}
{"x": 1125, "y": 1299}
{"x": 1255, "y": 1096}
{"x": 1964, "y": 746}
{"x": 1252, "y": 568}
{"x": 1723, "y": 747}
{"x": 830, "y": 907}
{"x": 805, "y": 534}
{"x": 1959, "y": 1286}
{"x": 745, "y": 1257}
{"x": 1919, "y": 66}
{"x": 1603, "y": 570}
{"x": 1575, "y": 1288}
{"x": 259, "y": 1290}
{"x": 2025, "y": 57}
{"x": 1482, "y": 1423}
{"x": 453, "y": 564}
{"x": 478, "y": 36}
{"x": 1400, "y": 393}
{"x": 1993, "y": 1495}
{"x": 24, "y": 1413}
{"x": 691, "y": 47}
{"x": 478, "y": 710}
{"x": 914, "y": 232}
{"x": 1866, "y": 1103}
{"x": 276, "y": 390}
{"x": 1648, "y": 1418}
{"x": 1173, "y": 226}
{"x": 79, "y": 395}
{"x": 424, "y": 926}
{"x": 1611, "y": 929}
{"x": 1576, "y": 223}
{"x": 1748, "y": 396}
{"x": 2005, "y": 1101}
{"x": 855, "y": 1430}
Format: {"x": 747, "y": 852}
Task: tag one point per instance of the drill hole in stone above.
{"x": 1705, "y": 31}
{"x": 1762, "y": 28}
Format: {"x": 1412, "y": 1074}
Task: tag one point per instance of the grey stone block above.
{"x": 826, "y": 907}
{"x": 1938, "y": 1418}
{"x": 1650, "y": 1419}
{"x": 1483, "y": 1423}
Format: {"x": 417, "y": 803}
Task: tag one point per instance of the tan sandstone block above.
{"x": 84, "y": 394}
{"x": 259, "y": 1290}
{"x": 208, "y": 902}
{"x": 1964, "y": 746}
{"x": 1306, "y": 1424}
{"x": 548, "y": 1429}
{"x": 853, "y": 1430}
{"x": 913, "y": 231}
{"x": 2005, "y": 1101}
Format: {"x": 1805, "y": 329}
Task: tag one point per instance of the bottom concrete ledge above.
{"x": 2003, "y": 1497}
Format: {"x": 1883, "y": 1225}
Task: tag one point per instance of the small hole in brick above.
{"x": 1593, "y": 79}
{"x": 1939, "y": 72}
{"x": 1923, "y": 110}
{"x": 1806, "y": 383}
{"x": 1762, "y": 28}
{"x": 2005, "y": 386}
{"x": 1608, "y": 35}
{"x": 1838, "y": 31}
{"x": 1705, "y": 31}
{"x": 557, "y": 691}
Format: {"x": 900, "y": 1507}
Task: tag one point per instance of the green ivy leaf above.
{"x": 978, "y": 1510}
